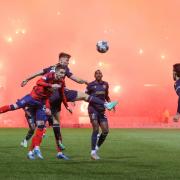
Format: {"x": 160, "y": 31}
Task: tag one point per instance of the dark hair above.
{"x": 98, "y": 70}
{"x": 58, "y": 67}
{"x": 176, "y": 68}
{"x": 63, "y": 54}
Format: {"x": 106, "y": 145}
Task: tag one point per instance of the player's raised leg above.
{"x": 6, "y": 108}
{"x": 30, "y": 115}
{"x": 93, "y": 99}
{"x": 21, "y": 103}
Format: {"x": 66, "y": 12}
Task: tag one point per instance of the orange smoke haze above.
{"x": 144, "y": 42}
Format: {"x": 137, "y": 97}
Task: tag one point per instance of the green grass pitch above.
{"x": 126, "y": 154}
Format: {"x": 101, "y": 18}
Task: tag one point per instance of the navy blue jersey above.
{"x": 100, "y": 90}
{"x": 52, "y": 69}
{"x": 177, "y": 89}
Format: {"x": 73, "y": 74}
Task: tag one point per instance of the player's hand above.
{"x": 69, "y": 109}
{"x": 176, "y": 117}
{"x": 56, "y": 86}
{"x": 48, "y": 111}
{"x": 24, "y": 82}
{"x": 86, "y": 82}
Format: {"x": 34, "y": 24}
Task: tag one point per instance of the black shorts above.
{"x": 95, "y": 115}
{"x": 56, "y": 99}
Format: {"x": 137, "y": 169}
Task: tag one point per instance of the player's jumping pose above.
{"x": 39, "y": 99}
{"x": 71, "y": 95}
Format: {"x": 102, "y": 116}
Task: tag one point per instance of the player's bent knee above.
{"x": 82, "y": 96}
{"x": 14, "y": 106}
{"x": 55, "y": 121}
{"x": 85, "y": 97}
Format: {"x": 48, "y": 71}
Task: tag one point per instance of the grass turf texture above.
{"x": 127, "y": 154}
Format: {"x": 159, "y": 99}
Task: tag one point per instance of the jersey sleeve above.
{"x": 178, "y": 107}
{"x": 47, "y": 70}
{"x": 107, "y": 93}
{"x": 177, "y": 88}
{"x": 88, "y": 89}
{"x": 68, "y": 73}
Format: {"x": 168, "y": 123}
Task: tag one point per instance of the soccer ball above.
{"x": 102, "y": 46}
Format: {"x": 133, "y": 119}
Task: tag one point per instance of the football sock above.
{"x": 93, "y": 139}
{"x": 58, "y": 136}
{"x": 37, "y": 138}
{"x": 29, "y": 134}
{"x": 6, "y": 108}
{"x": 102, "y": 138}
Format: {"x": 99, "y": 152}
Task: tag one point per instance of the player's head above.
{"x": 176, "y": 71}
{"x": 98, "y": 75}
{"x": 64, "y": 58}
{"x": 59, "y": 72}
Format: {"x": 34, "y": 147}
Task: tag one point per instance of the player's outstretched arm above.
{"x": 78, "y": 80}
{"x": 24, "y": 82}
{"x": 64, "y": 100}
{"x": 43, "y": 81}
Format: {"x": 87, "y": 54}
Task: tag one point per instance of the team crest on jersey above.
{"x": 95, "y": 87}
{"x": 104, "y": 86}
{"x": 53, "y": 69}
